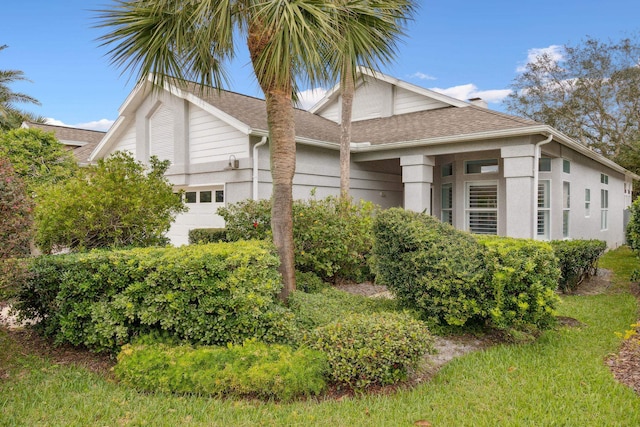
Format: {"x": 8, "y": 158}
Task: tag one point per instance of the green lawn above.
{"x": 559, "y": 380}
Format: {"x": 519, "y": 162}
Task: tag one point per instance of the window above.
{"x": 604, "y": 179}
{"x": 566, "y": 206}
{"x": 190, "y": 197}
{"x": 566, "y": 166}
{"x": 482, "y": 207}
{"x": 604, "y": 209}
{"x": 447, "y": 170}
{"x": 205, "y": 197}
{"x": 219, "y": 196}
{"x": 587, "y": 202}
{"x": 447, "y": 203}
{"x": 544, "y": 164}
{"x": 543, "y": 210}
{"x": 481, "y": 166}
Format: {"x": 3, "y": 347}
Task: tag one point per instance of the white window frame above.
{"x": 587, "y": 203}
{"x": 566, "y": 209}
{"x": 469, "y": 210}
{"x": 604, "y": 209}
{"x": 448, "y": 187}
{"x": 487, "y": 166}
{"x": 544, "y": 210}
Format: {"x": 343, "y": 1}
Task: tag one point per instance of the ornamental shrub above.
{"x": 16, "y": 229}
{"x": 578, "y": 259}
{"x": 432, "y": 267}
{"x": 332, "y": 237}
{"x": 119, "y": 202}
{"x": 371, "y": 349}
{"x": 253, "y": 369}
{"x": 312, "y": 310}
{"x": 524, "y": 278}
{"x": 204, "y": 294}
{"x": 207, "y": 235}
{"x": 633, "y": 227}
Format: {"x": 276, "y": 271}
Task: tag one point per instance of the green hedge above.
{"x": 525, "y": 276}
{"x": 332, "y": 237}
{"x": 431, "y": 267}
{"x": 207, "y": 235}
{"x": 578, "y": 259}
{"x": 252, "y": 369}
{"x": 204, "y": 294}
{"x": 369, "y": 349}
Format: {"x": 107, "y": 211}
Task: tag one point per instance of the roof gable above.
{"x": 378, "y": 95}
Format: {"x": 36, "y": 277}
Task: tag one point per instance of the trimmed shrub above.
{"x": 330, "y": 304}
{"x": 204, "y": 294}
{"x": 525, "y": 277}
{"x": 578, "y": 259}
{"x": 332, "y": 237}
{"x": 432, "y": 267}
{"x": 207, "y": 235}
{"x": 253, "y": 369}
{"x": 633, "y": 227}
{"x": 308, "y": 281}
{"x": 371, "y": 349}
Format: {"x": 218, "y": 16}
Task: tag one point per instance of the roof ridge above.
{"x": 64, "y": 127}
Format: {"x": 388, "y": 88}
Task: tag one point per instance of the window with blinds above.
{"x": 482, "y": 207}
{"x": 544, "y": 208}
{"x": 604, "y": 209}
{"x": 566, "y": 208}
{"x": 447, "y": 203}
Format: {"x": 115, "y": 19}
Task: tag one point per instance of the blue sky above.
{"x": 464, "y": 48}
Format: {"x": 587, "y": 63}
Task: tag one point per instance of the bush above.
{"x": 207, "y": 235}
{"x": 15, "y": 227}
{"x": 253, "y": 369}
{"x": 525, "y": 277}
{"x": 633, "y": 227}
{"x": 205, "y": 294}
{"x": 578, "y": 259}
{"x": 15, "y": 214}
{"x": 309, "y": 282}
{"x": 330, "y": 304}
{"x": 117, "y": 203}
{"x": 369, "y": 349}
{"x": 432, "y": 267}
{"x": 332, "y": 237}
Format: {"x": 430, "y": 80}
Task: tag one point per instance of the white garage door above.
{"x": 203, "y": 202}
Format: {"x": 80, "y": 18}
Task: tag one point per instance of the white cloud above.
{"x": 469, "y": 91}
{"x": 555, "y": 52}
{"x": 101, "y": 125}
{"x": 310, "y": 97}
{"x": 422, "y": 76}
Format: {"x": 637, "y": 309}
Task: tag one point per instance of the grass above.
{"x": 559, "y": 380}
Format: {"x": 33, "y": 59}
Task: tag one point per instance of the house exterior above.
{"x": 478, "y": 169}
{"x": 81, "y": 142}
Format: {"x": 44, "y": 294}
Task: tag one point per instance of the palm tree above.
{"x": 187, "y": 40}
{"x": 10, "y": 116}
{"x": 367, "y": 39}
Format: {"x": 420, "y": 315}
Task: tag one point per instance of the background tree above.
{"x": 192, "y": 40}
{"x": 592, "y": 94}
{"x": 119, "y": 202}
{"x": 365, "y": 39}
{"x": 37, "y": 157}
{"x": 12, "y": 117}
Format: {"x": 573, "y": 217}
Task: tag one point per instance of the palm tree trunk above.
{"x": 348, "y": 90}
{"x": 283, "y": 166}
{"x": 282, "y": 149}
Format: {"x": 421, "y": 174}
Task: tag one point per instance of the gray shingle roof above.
{"x": 69, "y": 135}
{"x": 442, "y": 122}
{"x": 420, "y": 125}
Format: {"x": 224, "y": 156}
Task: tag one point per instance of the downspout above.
{"x": 255, "y": 166}
{"x": 536, "y": 160}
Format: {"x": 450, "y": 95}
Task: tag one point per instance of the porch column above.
{"x": 417, "y": 176}
{"x": 520, "y": 195}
